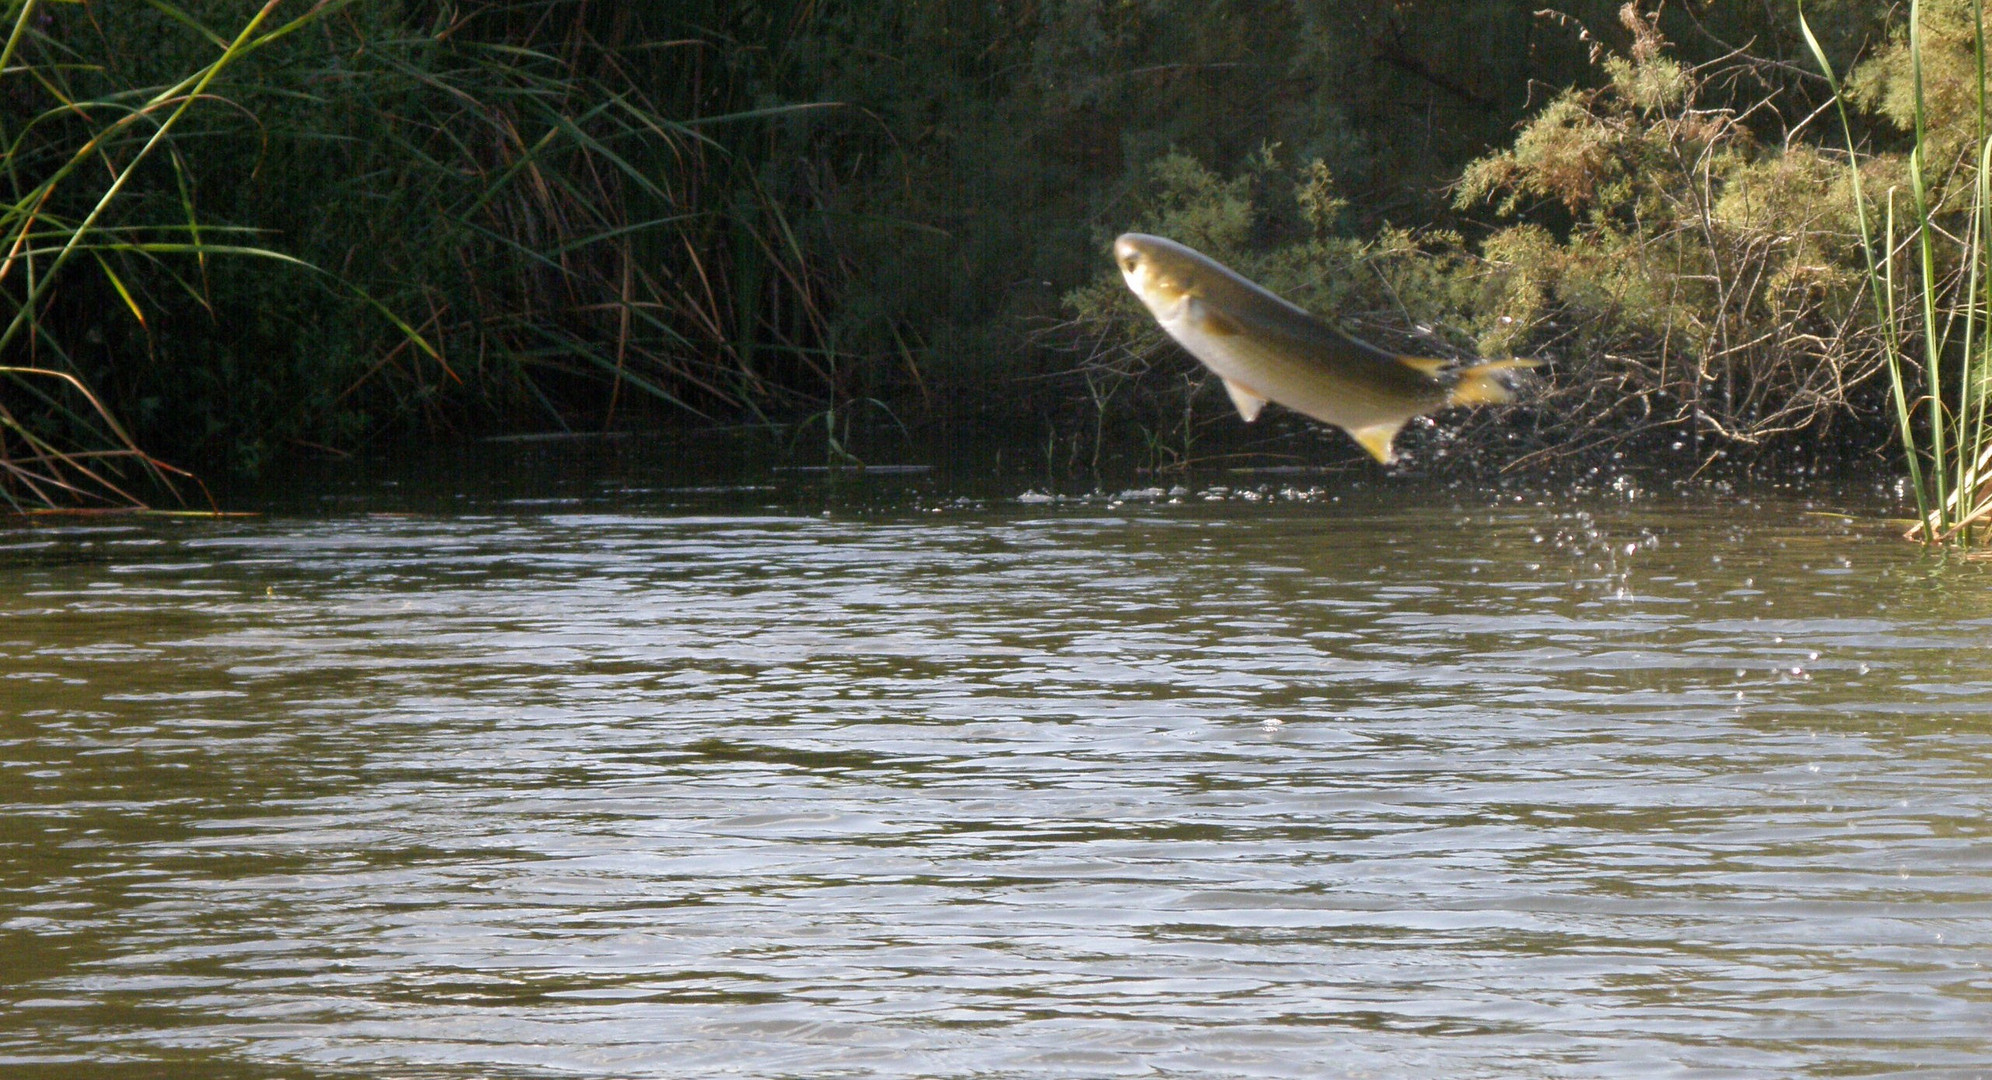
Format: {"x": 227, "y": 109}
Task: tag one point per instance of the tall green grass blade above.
{"x": 117, "y": 283}
{"x": 1880, "y": 273}
{"x": 19, "y": 30}
{"x": 1926, "y": 249}
{"x": 179, "y": 15}
{"x": 1972, "y": 390}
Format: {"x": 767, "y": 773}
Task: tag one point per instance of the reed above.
{"x": 548, "y": 213}
{"x": 59, "y": 441}
{"x": 1937, "y": 347}
{"x": 619, "y": 230}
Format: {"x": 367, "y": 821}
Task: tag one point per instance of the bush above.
{"x": 1694, "y": 284}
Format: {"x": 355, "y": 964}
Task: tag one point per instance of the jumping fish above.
{"x": 1266, "y": 349}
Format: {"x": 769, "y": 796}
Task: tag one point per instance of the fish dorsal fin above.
{"x": 1377, "y": 438}
{"x": 1430, "y": 365}
{"x": 1249, "y": 403}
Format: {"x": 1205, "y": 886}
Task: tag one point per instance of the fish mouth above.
{"x": 1148, "y": 280}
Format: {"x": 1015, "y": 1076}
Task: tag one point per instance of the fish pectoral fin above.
{"x": 1377, "y": 438}
{"x": 1249, "y": 403}
{"x": 1430, "y": 365}
{"x": 1213, "y": 320}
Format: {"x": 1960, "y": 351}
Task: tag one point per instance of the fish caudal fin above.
{"x": 1377, "y": 438}
{"x": 1485, "y": 384}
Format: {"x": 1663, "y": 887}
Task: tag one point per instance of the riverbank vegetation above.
{"x": 1945, "y": 267}
{"x": 239, "y": 236}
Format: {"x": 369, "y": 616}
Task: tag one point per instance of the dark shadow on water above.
{"x": 751, "y": 470}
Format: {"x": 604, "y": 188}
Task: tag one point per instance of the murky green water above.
{"x": 1398, "y": 785}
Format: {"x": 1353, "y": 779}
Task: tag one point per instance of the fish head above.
{"x": 1161, "y": 272}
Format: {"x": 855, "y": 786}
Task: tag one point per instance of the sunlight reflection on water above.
{"x": 1614, "y": 789}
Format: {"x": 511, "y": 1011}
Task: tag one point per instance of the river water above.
{"x": 767, "y": 782}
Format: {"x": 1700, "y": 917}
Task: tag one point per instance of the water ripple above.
{"x": 1199, "y": 790}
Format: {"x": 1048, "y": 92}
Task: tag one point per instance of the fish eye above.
{"x": 1130, "y": 262}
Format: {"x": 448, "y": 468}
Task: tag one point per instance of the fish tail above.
{"x": 1487, "y": 384}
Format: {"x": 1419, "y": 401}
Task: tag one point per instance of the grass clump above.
{"x": 74, "y": 168}
{"x": 1929, "y": 263}
{"x": 544, "y": 214}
